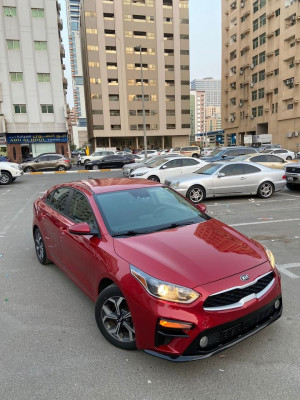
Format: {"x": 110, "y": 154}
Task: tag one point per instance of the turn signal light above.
{"x": 175, "y": 324}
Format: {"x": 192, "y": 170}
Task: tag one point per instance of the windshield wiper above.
{"x": 129, "y": 233}
{"x": 175, "y": 225}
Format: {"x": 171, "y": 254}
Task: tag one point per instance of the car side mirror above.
{"x": 202, "y": 207}
{"x": 224, "y": 155}
{"x": 82, "y": 229}
{"x": 163, "y": 167}
{"x": 36, "y": 160}
{"x": 220, "y": 175}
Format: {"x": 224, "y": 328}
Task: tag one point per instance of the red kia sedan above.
{"x": 166, "y": 277}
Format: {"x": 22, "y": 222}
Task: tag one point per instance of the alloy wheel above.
{"x": 5, "y": 179}
{"x": 266, "y": 189}
{"x": 117, "y": 320}
{"x": 196, "y": 194}
{"x": 39, "y": 245}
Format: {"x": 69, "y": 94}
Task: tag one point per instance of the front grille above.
{"x": 233, "y": 296}
{"x": 228, "y": 333}
{"x": 295, "y": 170}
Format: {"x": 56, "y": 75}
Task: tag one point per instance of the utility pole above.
{"x": 143, "y": 102}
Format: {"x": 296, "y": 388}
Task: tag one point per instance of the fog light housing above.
{"x": 277, "y": 304}
{"x": 203, "y": 341}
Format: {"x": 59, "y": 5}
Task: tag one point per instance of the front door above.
{"x": 230, "y": 180}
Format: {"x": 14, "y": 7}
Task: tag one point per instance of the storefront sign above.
{"x": 36, "y": 138}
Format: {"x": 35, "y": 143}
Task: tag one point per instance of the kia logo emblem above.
{"x": 244, "y": 277}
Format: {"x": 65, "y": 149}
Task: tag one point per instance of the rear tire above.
{"x": 114, "y": 319}
{"x": 289, "y": 158}
{"x": 154, "y": 178}
{"x": 95, "y": 167}
{"x": 195, "y": 155}
{"x": 196, "y": 194}
{"x": 291, "y": 186}
{"x": 5, "y": 178}
{"x": 61, "y": 168}
{"x": 265, "y": 190}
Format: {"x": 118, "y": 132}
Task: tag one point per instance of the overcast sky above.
{"x": 205, "y": 41}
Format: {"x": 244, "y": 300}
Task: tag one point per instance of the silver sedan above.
{"x": 228, "y": 179}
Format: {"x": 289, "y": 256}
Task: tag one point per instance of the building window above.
{"x": 261, "y": 93}
{"x": 253, "y": 112}
{"x": 276, "y": 71}
{"x": 254, "y": 95}
{"x": 185, "y": 111}
{"x": 109, "y": 49}
{"x": 113, "y": 97}
{"x": 90, "y": 14}
{"x": 168, "y": 20}
{"x": 98, "y": 127}
{"x": 20, "y": 108}
{"x": 260, "y": 111}
{"x": 10, "y": 11}
{"x": 95, "y": 80}
{"x": 133, "y": 127}
{"x": 255, "y": 25}
{"x": 290, "y": 106}
{"x": 95, "y": 112}
{"x": 114, "y": 113}
{"x": 184, "y": 97}
{"x": 261, "y": 75}
{"x": 108, "y": 16}
{"x": 95, "y": 96}
{"x": 185, "y": 126}
{"x": 262, "y": 3}
{"x": 184, "y": 52}
{"x": 184, "y": 21}
{"x": 47, "y": 108}
{"x": 167, "y": 3}
{"x": 170, "y": 112}
{"x": 255, "y": 43}
{"x": 40, "y": 45}
{"x": 92, "y": 31}
{"x": 255, "y": 60}
{"x": 276, "y": 52}
{"x": 262, "y": 39}
{"x": 112, "y": 65}
{"x": 262, "y": 57}
{"x": 255, "y": 7}
{"x": 277, "y": 32}
{"x": 171, "y": 126}
{"x": 113, "y": 81}
{"x": 276, "y": 91}
{"x": 43, "y": 77}
{"x": 277, "y": 12}
{"x": 37, "y": 12}
{"x": 170, "y": 97}
{"x": 94, "y": 64}
{"x": 16, "y": 76}
{"x": 13, "y": 44}
{"x": 169, "y": 83}
{"x": 262, "y": 20}
{"x": 115, "y": 127}
{"x": 183, "y": 36}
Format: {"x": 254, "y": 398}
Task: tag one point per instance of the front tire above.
{"x": 196, "y": 194}
{"x": 195, "y": 155}
{"x": 154, "y": 178}
{"x": 265, "y": 190}
{"x": 40, "y": 248}
{"x": 28, "y": 169}
{"x": 5, "y": 178}
{"x": 114, "y": 319}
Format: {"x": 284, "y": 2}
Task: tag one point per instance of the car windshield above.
{"x": 216, "y": 152}
{"x": 208, "y": 169}
{"x": 151, "y": 160}
{"x": 146, "y": 210}
{"x": 157, "y": 163}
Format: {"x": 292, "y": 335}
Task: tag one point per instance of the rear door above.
{"x": 41, "y": 163}
{"x": 234, "y": 180}
{"x": 253, "y": 174}
{"x": 189, "y": 165}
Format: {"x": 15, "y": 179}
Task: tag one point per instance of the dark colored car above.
{"x": 292, "y": 176}
{"x": 166, "y": 277}
{"x": 228, "y": 153}
{"x": 113, "y": 161}
{"x": 46, "y": 162}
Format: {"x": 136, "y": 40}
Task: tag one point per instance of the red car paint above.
{"x": 208, "y": 257}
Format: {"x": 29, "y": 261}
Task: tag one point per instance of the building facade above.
{"x": 32, "y": 85}
{"x": 197, "y": 111}
{"x": 112, "y": 35}
{"x": 73, "y": 17}
{"x": 261, "y": 71}
{"x": 212, "y": 89}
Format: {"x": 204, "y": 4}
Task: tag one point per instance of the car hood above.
{"x": 192, "y": 255}
{"x": 143, "y": 169}
{"x": 211, "y": 159}
{"x": 185, "y": 178}
{"x": 8, "y": 164}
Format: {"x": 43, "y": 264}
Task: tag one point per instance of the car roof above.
{"x": 106, "y": 185}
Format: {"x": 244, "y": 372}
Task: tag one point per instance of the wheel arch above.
{"x": 104, "y": 283}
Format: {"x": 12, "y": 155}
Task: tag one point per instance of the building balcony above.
{"x": 65, "y": 83}
{"x": 60, "y": 24}
{"x": 62, "y": 51}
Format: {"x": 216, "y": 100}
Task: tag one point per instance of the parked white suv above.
{"x": 9, "y": 172}
{"x": 96, "y": 156}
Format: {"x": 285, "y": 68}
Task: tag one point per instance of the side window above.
{"x": 43, "y": 158}
{"x": 258, "y": 159}
{"x": 80, "y": 210}
{"x": 271, "y": 158}
{"x": 234, "y": 169}
{"x": 231, "y": 153}
{"x": 189, "y": 162}
{"x": 54, "y": 157}
{"x": 59, "y": 199}
{"x": 249, "y": 151}
{"x": 250, "y": 169}
{"x": 174, "y": 163}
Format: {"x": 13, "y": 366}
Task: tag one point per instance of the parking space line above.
{"x": 287, "y": 194}
{"x": 266, "y": 222}
{"x": 284, "y": 269}
{"x": 252, "y": 202}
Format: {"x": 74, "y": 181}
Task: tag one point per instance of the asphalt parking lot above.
{"x": 51, "y": 347}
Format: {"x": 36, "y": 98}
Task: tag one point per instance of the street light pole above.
{"x": 143, "y": 103}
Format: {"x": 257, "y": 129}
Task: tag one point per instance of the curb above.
{"x": 80, "y": 171}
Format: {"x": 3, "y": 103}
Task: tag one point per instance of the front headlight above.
{"x": 139, "y": 174}
{"x": 271, "y": 257}
{"x": 164, "y": 290}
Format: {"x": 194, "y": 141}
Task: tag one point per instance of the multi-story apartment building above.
{"x": 113, "y": 32}
{"x": 213, "y": 120}
{"x": 73, "y": 17}
{"x": 32, "y": 85}
{"x": 261, "y": 71}
{"x": 197, "y": 112}
{"x": 212, "y": 89}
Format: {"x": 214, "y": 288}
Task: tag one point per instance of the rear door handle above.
{"x": 63, "y": 229}
{"x": 243, "y": 178}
